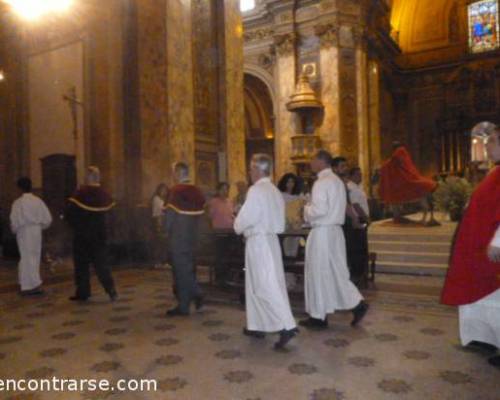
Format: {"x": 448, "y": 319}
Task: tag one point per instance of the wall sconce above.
{"x": 2, "y": 75}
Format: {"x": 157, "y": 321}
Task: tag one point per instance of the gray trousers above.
{"x": 186, "y": 285}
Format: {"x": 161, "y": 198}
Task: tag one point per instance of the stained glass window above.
{"x": 483, "y": 26}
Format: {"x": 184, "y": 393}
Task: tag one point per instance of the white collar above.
{"x": 264, "y": 179}
{"x": 325, "y": 172}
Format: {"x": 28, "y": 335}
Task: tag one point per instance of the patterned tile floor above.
{"x": 406, "y": 348}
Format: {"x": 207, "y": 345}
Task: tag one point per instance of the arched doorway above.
{"x": 259, "y": 117}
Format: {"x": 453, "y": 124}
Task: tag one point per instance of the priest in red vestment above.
{"x": 401, "y": 182}
{"x": 473, "y": 280}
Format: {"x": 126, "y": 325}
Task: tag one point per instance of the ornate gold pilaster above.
{"x": 375, "y": 150}
{"x": 153, "y": 111}
{"x": 285, "y": 78}
{"x": 180, "y": 103}
{"x": 233, "y": 107}
{"x": 328, "y": 58}
{"x": 363, "y": 111}
{"x": 348, "y": 89}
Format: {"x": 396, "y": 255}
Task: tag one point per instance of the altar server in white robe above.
{"x": 327, "y": 284}
{"x": 260, "y": 219}
{"x": 29, "y": 216}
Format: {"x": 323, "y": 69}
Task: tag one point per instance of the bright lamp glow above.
{"x": 247, "y": 5}
{"x": 33, "y": 9}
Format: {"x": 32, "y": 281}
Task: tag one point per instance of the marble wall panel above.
{"x": 152, "y": 66}
{"x": 180, "y": 103}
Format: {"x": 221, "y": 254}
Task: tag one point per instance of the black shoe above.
{"x": 285, "y": 337}
{"x": 78, "y": 298}
{"x": 495, "y": 361}
{"x": 486, "y": 347}
{"x": 359, "y": 312}
{"x": 33, "y": 292}
{"x": 314, "y": 323}
{"x": 176, "y": 312}
{"x": 113, "y": 296}
{"x": 254, "y": 334}
{"x": 198, "y": 303}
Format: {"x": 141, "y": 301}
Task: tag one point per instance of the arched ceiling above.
{"x": 422, "y": 24}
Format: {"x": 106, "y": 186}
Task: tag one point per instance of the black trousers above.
{"x": 186, "y": 285}
{"x": 87, "y": 252}
{"x": 357, "y": 252}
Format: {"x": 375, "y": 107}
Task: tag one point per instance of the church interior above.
{"x": 134, "y": 86}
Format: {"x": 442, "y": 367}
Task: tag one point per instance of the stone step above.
{"x": 410, "y": 247}
{"x": 411, "y": 268}
{"x": 409, "y": 237}
{"x": 417, "y": 258}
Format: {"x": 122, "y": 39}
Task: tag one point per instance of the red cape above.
{"x": 186, "y": 199}
{"x": 92, "y": 198}
{"x": 472, "y": 275}
{"x": 400, "y": 181}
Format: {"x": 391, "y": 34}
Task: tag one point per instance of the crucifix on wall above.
{"x": 73, "y": 102}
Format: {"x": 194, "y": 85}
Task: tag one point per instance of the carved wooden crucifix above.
{"x": 73, "y": 104}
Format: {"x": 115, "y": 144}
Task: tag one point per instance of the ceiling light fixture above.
{"x": 34, "y": 9}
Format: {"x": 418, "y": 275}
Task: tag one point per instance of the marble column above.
{"x": 330, "y": 128}
{"x": 232, "y": 105}
{"x": 179, "y": 86}
{"x": 285, "y": 78}
{"x": 362, "y": 104}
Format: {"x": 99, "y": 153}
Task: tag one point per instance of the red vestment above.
{"x": 400, "y": 181}
{"x": 92, "y": 198}
{"x": 471, "y": 275}
{"x": 186, "y": 199}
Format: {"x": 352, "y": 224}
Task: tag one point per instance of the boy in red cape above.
{"x": 184, "y": 209}
{"x": 400, "y": 181}
{"x": 473, "y": 280}
{"x": 86, "y": 214}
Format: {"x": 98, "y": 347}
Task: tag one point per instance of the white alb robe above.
{"x": 327, "y": 281}
{"x": 28, "y": 217}
{"x": 260, "y": 219}
{"x": 480, "y": 321}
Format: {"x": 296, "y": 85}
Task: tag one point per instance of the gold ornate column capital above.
{"x": 285, "y": 43}
{"x": 327, "y": 34}
{"x": 360, "y": 37}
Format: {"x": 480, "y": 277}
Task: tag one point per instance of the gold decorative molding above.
{"x": 360, "y": 37}
{"x": 327, "y": 34}
{"x": 285, "y": 44}
{"x": 258, "y": 34}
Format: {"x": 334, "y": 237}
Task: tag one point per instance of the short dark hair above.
{"x": 221, "y": 185}
{"x": 336, "y": 161}
{"x": 325, "y": 156}
{"x": 297, "y": 183}
{"x": 25, "y": 184}
{"x": 353, "y": 170}
{"x": 159, "y": 188}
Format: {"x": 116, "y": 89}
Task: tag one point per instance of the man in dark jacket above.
{"x": 86, "y": 213}
{"x": 184, "y": 208}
